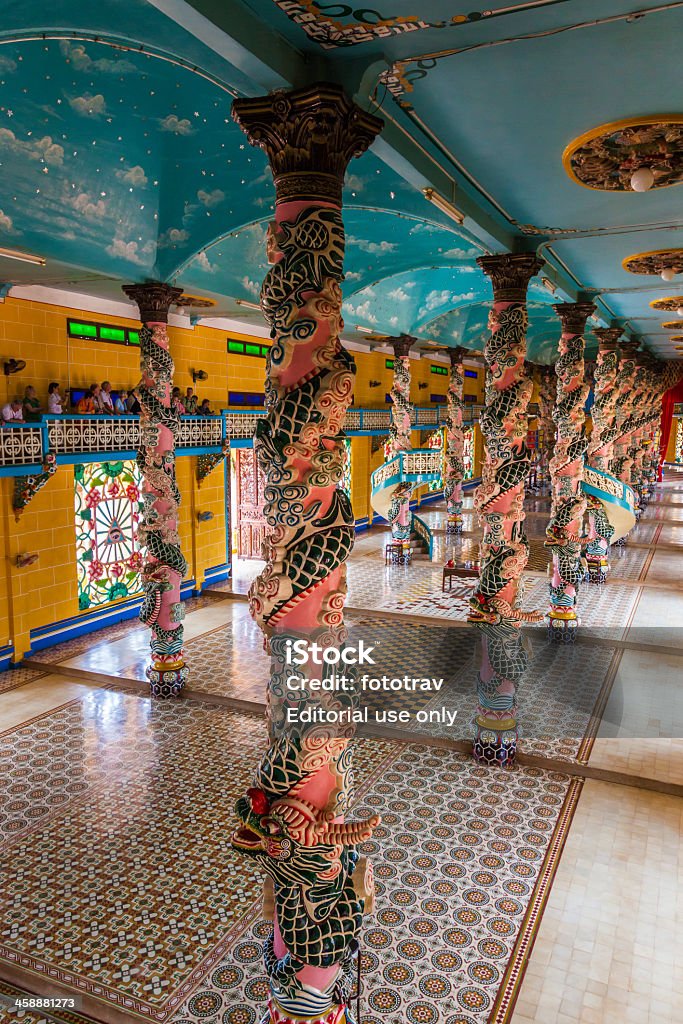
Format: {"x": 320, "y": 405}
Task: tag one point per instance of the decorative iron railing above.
{"x": 422, "y": 530}
{"x": 75, "y": 438}
{"x": 21, "y": 446}
{"x": 71, "y": 435}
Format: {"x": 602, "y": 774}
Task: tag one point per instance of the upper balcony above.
{"x": 73, "y": 439}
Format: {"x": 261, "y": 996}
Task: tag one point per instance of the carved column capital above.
{"x": 153, "y": 300}
{"x": 309, "y": 135}
{"x": 574, "y": 315}
{"x": 629, "y": 349}
{"x": 510, "y": 274}
{"x": 457, "y": 354}
{"x": 402, "y": 344}
{"x": 608, "y": 338}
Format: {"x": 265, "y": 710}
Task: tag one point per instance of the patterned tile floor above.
{"x": 14, "y": 677}
{"x": 118, "y": 874}
{"x": 457, "y": 859}
{"x": 95, "y": 792}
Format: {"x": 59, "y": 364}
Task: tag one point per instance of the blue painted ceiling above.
{"x": 119, "y": 159}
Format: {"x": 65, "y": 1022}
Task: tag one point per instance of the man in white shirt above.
{"x": 106, "y": 401}
{"x": 12, "y": 412}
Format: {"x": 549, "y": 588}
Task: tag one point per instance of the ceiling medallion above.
{"x": 667, "y": 262}
{"x": 671, "y": 304}
{"x": 634, "y": 155}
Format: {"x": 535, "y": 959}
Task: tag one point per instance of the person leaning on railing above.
{"x": 89, "y": 403}
{"x": 133, "y": 402}
{"x": 32, "y": 407}
{"x": 12, "y": 413}
{"x": 120, "y": 407}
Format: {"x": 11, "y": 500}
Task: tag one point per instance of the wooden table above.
{"x": 459, "y": 572}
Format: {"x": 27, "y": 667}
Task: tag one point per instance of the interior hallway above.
{"x": 575, "y": 850}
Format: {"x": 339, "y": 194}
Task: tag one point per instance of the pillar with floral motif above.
{"x": 400, "y": 440}
{"x": 164, "y": 567}
{"x": 455, "y": 441}
{"x": 601, "y": 448}
{"x": 644, "y": 399}
{"x": 547, "y": 387}
{"x": 499, "y": 500}
{"x": 564, "y": 530}
{"x": 629, "y": 380}
{"x": 292, "y": 818}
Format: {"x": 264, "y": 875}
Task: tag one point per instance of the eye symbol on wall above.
{"x": 114, "y": 534}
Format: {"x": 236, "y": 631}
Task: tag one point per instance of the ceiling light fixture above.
{"x": 668, "y": 274}
{"x": 642, "y": 180}
{"x": 444, "y": 205}
{"x": 247, "y": 305}
{"x": 23, "y": 257}
{"x": 363, "y": 330}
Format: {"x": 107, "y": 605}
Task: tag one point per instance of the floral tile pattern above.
{"x": 118, "y": 873}
{"x": 457, "y": 858}
{"x": 14, "y": 677}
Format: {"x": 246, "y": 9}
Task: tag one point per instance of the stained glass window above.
{"x": 108, "y": 506}
{"x": 468, "y": 453}
{"x": 679, "y": 441}
{"x": 346, "y": 475}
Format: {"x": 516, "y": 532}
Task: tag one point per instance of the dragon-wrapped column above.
{"x": 455, "y": 441}
{"x": 547, "y": 386}
{"x": 564, "y": 530}
{"x": 627, "y": 378}
{"x": 504, "y": 551}
{"x": 642, "y": 399}
{"x": 400, "y": 441}
{"x": 292, "y": 818}
{"x": 164, "y": 566}
{"x": 601, "y": 449}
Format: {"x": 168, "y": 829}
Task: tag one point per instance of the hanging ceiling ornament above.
{"x": 665, "y": 262}
{"x": 635, "y": 155}
{"x": 672, "y": 304}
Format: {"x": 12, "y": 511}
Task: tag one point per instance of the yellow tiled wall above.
{"x": 46, "y": 591}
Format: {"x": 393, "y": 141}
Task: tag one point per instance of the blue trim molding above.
{"x": 89, "y": 622}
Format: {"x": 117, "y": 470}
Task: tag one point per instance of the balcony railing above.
{"x": 73, "y": 438}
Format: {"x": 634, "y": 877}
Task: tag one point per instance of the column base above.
{"x": 398, "y": 553}
{"x": 495, "y": 742}
{"x": 597, "y": 570}
{"x": 167, "y": 680}
{"x": 562, "y": 627}
{"x": 275, "y": 1015}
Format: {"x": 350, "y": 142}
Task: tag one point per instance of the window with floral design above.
{"x": 108, "y": 505}
{"x": 679, "y": 441}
